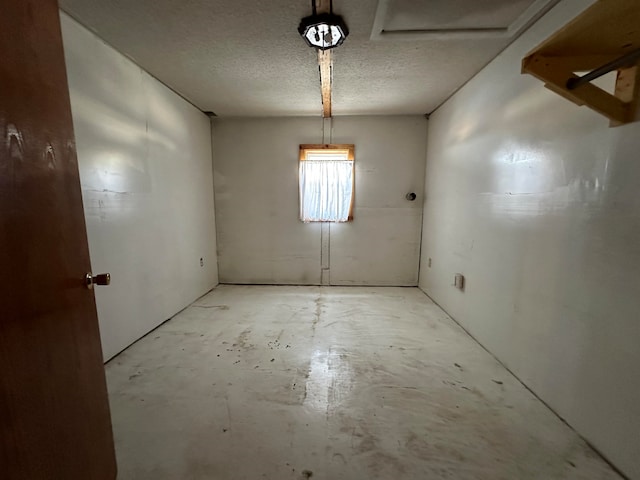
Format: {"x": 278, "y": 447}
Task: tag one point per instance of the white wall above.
{"x": 145, "y": 166}
{"x": 260, "y": 236}
{"x": 536, "y": 201}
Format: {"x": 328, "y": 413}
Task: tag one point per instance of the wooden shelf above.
{"x": 603, "y": 33}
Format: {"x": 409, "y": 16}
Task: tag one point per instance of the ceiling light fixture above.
{"x": 323, "y": 31}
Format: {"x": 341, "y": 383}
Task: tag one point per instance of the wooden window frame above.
{"x": 349, "y": 148}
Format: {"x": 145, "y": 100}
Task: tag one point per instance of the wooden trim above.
{"x": 325, "y": 66}
{"x": 349, "y": 147}
{"x": 323, "y": 6}
{"x": 628, "y": 90}
{"x": 579, "y": 63}
{"x": 604, "y": 32}
{"x": 555, "y": 75}
{"x": 608, "y": 27}
{"x": 353, "y": 191}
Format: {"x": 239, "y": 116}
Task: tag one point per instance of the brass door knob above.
{"x": 100, "y": 279}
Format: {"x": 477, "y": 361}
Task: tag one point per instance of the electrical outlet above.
{"x": 201, "y": 262}
{"x": 429, "y": 262}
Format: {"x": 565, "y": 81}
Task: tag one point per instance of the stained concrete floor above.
{"x": 329, "y": 383}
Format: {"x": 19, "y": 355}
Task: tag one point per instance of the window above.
{"x": 327, "y": 178}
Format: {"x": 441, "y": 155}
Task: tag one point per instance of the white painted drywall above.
{"x": 535, "y": 200}
{"x": 260, "y": 237}
{"x": 145, "y": 166}
{"x": 382, "y": 245}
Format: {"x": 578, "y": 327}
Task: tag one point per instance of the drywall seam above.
{"x": 424, "y": 195}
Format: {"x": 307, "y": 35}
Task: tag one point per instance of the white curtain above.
{"x": 325, "y": 190}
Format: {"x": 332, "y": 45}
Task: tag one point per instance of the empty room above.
{"x": 315, "y": 239}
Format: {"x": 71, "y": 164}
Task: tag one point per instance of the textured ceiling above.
{"x": 410, "y": 14}
{"x": 245, "y": 57}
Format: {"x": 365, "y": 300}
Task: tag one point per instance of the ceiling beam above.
{"x": 324, "y": 61}
{"x": 323, "y": 6}
{"x": 325, "y": 65}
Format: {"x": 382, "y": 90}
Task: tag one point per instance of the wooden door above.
{"x": 54, "y": 412}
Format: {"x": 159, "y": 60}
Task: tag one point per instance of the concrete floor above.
{"x": 330, "y": 383}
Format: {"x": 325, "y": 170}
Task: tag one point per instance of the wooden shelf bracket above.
{"x": 604, "y": 38}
